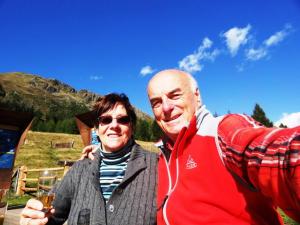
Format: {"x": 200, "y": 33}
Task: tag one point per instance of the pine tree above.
{"x": 282, "y": 125}
{"x": 156, "y": 132}
{"x": 50, "y": 125}
{"x": 142, "y": 130}
{"x": 260, "y": 116}
{"x": 60, "y": 126}
{"x": 2, "y": 91}
{"x": 39, "y": 125}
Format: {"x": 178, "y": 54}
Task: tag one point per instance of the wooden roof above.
{"x": 85, "y": 122}
{"x": 13, "y": 120}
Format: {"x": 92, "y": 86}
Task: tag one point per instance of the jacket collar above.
{"x": 200, "y": 115}
{"x": 136, "y": 163}
{"x": 190, "y": 130}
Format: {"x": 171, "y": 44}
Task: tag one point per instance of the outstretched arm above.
{"x": 266, "y": 158}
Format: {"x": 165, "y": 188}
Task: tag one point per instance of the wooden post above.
{"x": 21, "y": 181}
{"x": 66, "y": 168}
{"x": 16, "y": 174}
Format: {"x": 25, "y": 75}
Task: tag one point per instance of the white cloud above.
{"x": 206, "y": 43}
{"x": 191, "y": 63}
{"x": 275, "y": 38}
{"x": 256, "y": 54}
{"x": 278, "y": 36}
{"x": 146, "y": 70}
{"x": 290, "y": 120}
{"x": 235, "y": 37}
{"x": 96, "y": 77}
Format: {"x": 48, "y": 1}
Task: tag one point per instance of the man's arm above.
{"x": 88, "y": 152}
{"x": 266, "y": 158}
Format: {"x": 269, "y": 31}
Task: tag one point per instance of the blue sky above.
{"x": 240, "y": 52}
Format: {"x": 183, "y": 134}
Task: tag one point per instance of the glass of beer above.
{"x": 3, "y": 204}
{"x": 46, "y": 182}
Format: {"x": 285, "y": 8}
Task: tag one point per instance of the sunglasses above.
{"x": 105, "y": 120}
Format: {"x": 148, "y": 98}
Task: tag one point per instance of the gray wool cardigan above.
{"x": 78, "y": 197}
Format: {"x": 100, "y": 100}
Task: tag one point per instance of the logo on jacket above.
{"x": 190, "y": 164}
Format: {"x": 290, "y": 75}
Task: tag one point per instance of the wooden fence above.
{"x": 62, "y": 144}
{"x": 23, "y": 178}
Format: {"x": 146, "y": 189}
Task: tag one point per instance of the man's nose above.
{"x": 167, "y": 105}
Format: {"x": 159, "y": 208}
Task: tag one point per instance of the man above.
{"x": 225, "y": 170}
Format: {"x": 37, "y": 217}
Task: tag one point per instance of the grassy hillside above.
{"x": 37, "y": 152}
{"x": 55, "y": 104}
{"x": 46, "y": 95}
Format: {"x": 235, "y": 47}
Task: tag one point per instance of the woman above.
{"x": 119, "y": 187}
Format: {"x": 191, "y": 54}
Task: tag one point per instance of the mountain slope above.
{"x": 27, "y": 92}
{"x": 54, "y": 104}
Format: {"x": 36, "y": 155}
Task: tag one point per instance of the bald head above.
{"x": 174, "y": 74}
{"x": 174, "y": 98}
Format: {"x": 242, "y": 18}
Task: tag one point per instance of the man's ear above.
{"x": 197, "y": 94}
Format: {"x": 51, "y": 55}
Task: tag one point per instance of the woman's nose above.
{"x": 114, "y": 123}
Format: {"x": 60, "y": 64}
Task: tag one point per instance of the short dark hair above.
{"x": 107, "y": 102}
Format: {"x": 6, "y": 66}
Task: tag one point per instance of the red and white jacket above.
{"x": 229, "y": 170}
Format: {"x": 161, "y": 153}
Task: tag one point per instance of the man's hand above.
{"x": 32, "y": 213}
{"x": 88, "y": 152}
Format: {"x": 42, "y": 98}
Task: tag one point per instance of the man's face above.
{"x": 173, "y": 101}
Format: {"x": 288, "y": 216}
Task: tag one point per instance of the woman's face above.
{"x": 114, "y": 128}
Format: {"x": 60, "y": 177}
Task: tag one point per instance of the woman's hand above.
{"x": 88, "y": 152}
{"x": 32, "y": 214}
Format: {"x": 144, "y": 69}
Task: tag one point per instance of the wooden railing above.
{"x": 62, "y": 144}
{"x": 23, "y": 178}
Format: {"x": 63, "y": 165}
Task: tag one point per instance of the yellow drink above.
{"x": 47, "y": 201}
{"x": 1, "y": 219}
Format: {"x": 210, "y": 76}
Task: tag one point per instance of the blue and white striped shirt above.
{"x": 112, "y": 169}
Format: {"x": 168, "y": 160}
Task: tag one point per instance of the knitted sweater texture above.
{"x": 79, "y": 199}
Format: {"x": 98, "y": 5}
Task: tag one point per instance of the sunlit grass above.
{"x": 36, "y": 152}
